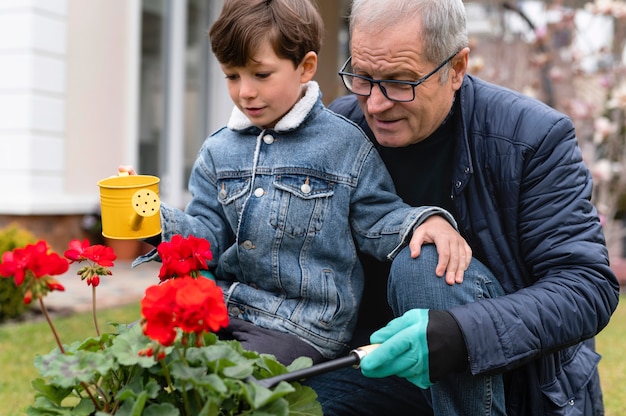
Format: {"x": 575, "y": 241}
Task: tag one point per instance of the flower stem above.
{"x": 54, "y": 331}
{"x": 93, "y": 309}
{"x": 167, "y": 374}
{"x": 185, "y": 395}
{"x": 58, "y": 341}
{"x": 171, "y": 386}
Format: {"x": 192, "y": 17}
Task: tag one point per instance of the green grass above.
{"x": 19, "y": 343}
{"x": 611, "y": 344}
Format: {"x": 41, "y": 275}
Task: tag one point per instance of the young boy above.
{"x": 288, "y": 191}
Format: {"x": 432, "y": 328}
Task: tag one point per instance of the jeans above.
{"x": 413, "y": 284}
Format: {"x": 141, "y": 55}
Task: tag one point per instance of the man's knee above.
{"x": 414, "y": 284}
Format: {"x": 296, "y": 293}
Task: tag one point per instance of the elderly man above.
{"x": 516, "y": 336}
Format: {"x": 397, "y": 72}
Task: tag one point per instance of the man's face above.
{"x": 396, "y": 53}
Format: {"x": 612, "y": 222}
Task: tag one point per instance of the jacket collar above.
{"x": 291, "y": 120}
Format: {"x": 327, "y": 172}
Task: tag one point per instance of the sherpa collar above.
{"x": 291, "y": 120}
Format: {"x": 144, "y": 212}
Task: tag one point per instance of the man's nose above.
{"x": 378, "y": 101}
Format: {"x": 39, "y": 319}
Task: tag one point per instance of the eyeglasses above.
{"x": 394, "y": 90}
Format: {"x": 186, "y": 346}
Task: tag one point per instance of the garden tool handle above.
{"x": 363, "y": 351}
{"x": 352, "y": 359}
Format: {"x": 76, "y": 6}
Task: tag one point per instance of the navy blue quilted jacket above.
{"x": 521, "y": 193}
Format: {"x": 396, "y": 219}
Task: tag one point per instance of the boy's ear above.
{"x": 309, "y": 67}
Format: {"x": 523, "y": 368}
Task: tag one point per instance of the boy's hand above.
{"x": 126, "y": 169}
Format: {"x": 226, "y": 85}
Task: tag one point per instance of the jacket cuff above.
{"x": 423, "y": 213}
{"x": 447, "y": 352}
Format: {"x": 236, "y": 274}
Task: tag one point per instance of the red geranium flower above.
{"x": 201, "y": 306}
{"x": 183, "y": 256}
{"x": 99, "y": 254}
{"x": 33, "y": 265}
{"x": 193, "y": 305}
{"x": 99, "y": 257}
{"x": 76, "y": 249}
{"x": 34, "y": 258}
{"x": 158, "y": 311}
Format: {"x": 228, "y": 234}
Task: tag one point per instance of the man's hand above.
{"x": 454, "y": 252}
{"x": 403, "y": 351}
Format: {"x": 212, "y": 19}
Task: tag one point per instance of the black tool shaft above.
{"x": 348, "y": 360}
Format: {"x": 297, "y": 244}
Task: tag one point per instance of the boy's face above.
{"x": 267, "y": 87}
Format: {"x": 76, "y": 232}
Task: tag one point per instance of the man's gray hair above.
{"x": 444, "y": 29}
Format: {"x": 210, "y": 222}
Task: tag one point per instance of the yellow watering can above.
{"x": 130, "y": 206}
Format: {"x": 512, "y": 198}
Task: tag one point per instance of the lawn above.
{"x": 20, "y": 342}
{"x": 611, "y": 344}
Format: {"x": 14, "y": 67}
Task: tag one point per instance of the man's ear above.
{"x": 309, "y": 67}
{"x": 459, "y": 67}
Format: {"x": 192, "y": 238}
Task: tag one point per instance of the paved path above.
{"x": 125, "y": 285}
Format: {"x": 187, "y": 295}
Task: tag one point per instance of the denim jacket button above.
{"x": 247, "y": 244}
{"x": 268, "y": 139}
{"x": 223, "y": 194}
{"x": 258, "y": 192}
{"x": 234, "y": 311}
{"x": 306, "y": 188}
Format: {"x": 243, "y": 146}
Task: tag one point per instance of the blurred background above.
{"x": 88, "y": 85}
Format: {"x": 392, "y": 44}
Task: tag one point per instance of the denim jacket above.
{"x": 285, "y": 210}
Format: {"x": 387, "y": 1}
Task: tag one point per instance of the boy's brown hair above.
{"x": 293, "y": 27}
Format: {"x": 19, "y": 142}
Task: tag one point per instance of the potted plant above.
{"x": 168, "y": 362}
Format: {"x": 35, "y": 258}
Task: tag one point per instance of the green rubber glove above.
{"x": 207, "y": 274}
{"x": 403, "y": 351}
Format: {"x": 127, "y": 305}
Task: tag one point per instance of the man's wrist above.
{"x": 447, "y": 352}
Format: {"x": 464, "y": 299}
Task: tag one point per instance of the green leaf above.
{"x": 303, "y": 401}
{"x": 52, "y": 393}
{"x": 277, "y": 408}
{"x": 71, "y": 368}
{"x": 212, "y": 381}
{"x": 183, "y": 372}
{"x": 163, "y": 409}
{"x": 133, "y": 406}
{"x": 262, "y": 396}
{"x": 210, "y": 408}
{"x": 219, "y": 352}
{"x": 42, "y": 406}
{"x": 126, "y": 347}
{"x": 300, "y": 363}
{"x": 239, "y": 371}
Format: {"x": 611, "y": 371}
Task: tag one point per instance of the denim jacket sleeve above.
{"x": 382, "y": 224}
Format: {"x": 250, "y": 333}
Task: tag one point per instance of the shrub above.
{"x": 11, "y": 298}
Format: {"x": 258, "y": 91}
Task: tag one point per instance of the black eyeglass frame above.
{"x": 413, "y": 84}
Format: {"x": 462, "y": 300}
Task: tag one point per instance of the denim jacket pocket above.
{"x": 567, "y": 390}
{"x": 232, "y": 196}
{"x": 232, "y": 189}
{"x": 300, "y": 203}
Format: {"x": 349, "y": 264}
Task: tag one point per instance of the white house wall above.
{"x": 68, "y": 101}
{"x": 33, "y": 51}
